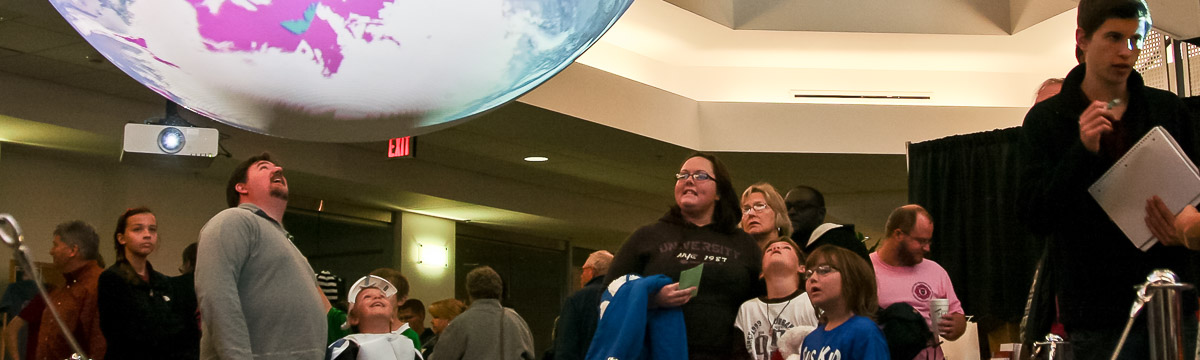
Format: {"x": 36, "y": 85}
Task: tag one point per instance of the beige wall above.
{"x": 428, "y": 283}
{"x": 42, "y": 188}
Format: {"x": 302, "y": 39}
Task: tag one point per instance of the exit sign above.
{"x": 401, "y": 147}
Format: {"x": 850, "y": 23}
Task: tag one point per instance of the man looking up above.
{"x": 1068, "y": 142}
{"x": 806, "y": 209}
{"x": 258, "y": 295}
{"x": 903, "y": 274}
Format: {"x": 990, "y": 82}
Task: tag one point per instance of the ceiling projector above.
{"x": 184, "y": 146}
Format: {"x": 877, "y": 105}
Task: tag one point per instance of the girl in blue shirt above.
{"x": 842, "y": 285}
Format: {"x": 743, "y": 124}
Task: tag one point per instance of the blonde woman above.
{"x": 764, "y": 214}
{"x": 442, "y": 311}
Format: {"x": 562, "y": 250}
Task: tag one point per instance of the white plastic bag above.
{"x": 966, "y": 347}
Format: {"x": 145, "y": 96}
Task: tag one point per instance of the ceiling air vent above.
{"x": 861, "y": 95}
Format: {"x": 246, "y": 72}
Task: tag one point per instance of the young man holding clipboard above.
{"x": 1069, "y": 141}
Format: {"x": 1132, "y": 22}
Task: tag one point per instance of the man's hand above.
{"x": 671, "y": 296}
{"x": 1170, "y": 229}
{"x": 952, "y": 326}
{"x": 1095, "y": 121}
{"x": 1161, "y": 222}
{"x": 1187, "y": 223}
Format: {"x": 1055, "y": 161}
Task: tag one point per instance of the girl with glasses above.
{"x": 842, "y": 286}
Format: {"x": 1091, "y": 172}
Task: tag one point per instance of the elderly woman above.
{"x": 442, "y": 311}
{"x": 764, "y": 214}
{"x": 702, "y": 228}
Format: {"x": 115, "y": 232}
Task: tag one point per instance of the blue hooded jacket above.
{"x": 628, "y": 330}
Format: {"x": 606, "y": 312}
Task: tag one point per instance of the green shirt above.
{"x": 336, "y": 317}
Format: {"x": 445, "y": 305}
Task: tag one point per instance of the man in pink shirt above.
{"x": 904, "y": 275}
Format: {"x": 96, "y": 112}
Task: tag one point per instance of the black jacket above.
{"x": 139, "y": 319}
{"x": 732, "y": 262}
{"x": 577, "y": 322}
{"x": 186, "y": 305}
{"x": 1097, "y": 265}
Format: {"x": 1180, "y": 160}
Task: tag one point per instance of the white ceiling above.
{"x": 655, "y": 31}
{"x": 993, "y": 17}
{"x": 667, "y": 78}
{"x": 696, "y": 74}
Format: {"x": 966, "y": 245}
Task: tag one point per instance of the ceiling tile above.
{"x": 8, "y": 52}
{"x": 22, "y": 37}
{"x": 112, "y": 84}
{"x": 53, "y": 23}
{"x": 36, "y": 13}
{"x": 39, "y": 67}
{"x": 80, "y": 54}
{"x": 7, "y": 13}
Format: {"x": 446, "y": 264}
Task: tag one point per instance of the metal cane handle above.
{"x": 10, "y": 231}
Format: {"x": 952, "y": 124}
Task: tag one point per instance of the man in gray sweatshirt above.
{"x": 487, "y": 330}
{"x": 257, "y": 293}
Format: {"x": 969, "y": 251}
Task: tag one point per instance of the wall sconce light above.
{"x": 433, "y": 255}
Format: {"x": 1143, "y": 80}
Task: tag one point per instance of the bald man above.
{"x": 581, "y": 311}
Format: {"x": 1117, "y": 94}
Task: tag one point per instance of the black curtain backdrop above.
{"x": 969, "y": 185}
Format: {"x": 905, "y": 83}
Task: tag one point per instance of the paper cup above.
{"x": 937, "y": 308}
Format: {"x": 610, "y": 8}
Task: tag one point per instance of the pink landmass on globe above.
{"x": 237, "y": 29}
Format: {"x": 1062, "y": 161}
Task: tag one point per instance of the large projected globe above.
{"x": 341, "y": 70}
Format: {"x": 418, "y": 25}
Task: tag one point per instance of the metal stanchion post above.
{"x": 1166, "y": 331}
{"x": 1161, "y": 294}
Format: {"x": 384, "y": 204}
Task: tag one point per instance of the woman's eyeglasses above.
{"x": 757, "y": 207}
{"x": 700, "y": 176}
{"x": 819, "y": 270}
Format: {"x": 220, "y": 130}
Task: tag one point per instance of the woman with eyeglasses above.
{"x": 140, "y": 315}
{"x": 842, "y": 285}
{"x": 701, "y": 228}
{"x": 764, "y": 214}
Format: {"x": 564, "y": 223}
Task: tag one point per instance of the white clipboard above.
{"x": 1154, "y": 166}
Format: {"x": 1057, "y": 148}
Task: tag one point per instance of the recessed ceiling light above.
{"x": 536, "y": 158}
